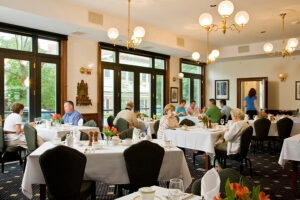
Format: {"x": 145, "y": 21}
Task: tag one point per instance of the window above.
{"x": 159, "y": 63}
{"x": 15, "y": 42}
{"x": 48, "y": 47}
{"x": 145, "y": 94}
{"x": 127, "y": 88}
{"x": 108, "y": 56}
{"x": 108, "y": 95}
{"x": 159, "y": 96}
{"x": 189, "y": 68}
{"x": 130, "y": 59}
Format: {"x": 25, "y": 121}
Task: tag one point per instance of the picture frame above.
{"x": 222, "y": 89}
{"x": 174, "y": 95}
{"x": 297, "y": 90}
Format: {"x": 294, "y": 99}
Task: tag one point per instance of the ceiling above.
{"x": 181, "y": 17}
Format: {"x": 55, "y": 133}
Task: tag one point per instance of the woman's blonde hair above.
{"x": 169, "y": 107}
{"x": 238, "y": 113}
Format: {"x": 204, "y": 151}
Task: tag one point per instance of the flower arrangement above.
{"x": 109, "y": 132}
{"x": 237, "y": 191}
{"x": 204, "y": 119}
{"x": 138, "y": 114}
{"x": 56, "y": 118}
{"x": 264, "y": 115}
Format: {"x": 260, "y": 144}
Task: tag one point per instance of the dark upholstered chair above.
{"x": 83, "y": 136}
{"x": 234, "y": 177}
{"x": 143, "y": 162}
{"x": 122, "y": 125}
{"x": 9, "y": 153}
{"x": 187, "y": 122}
{"x": 242, "y": 156}
{"x": 262, "y": 128}
{"x": 126, "y": 134}
{"x": 64, "y": 180}
{"x": 31, "y": 140}
{"x": 284, "y": 127}
{"x": 110, "y": 121}
{"x": 155, "y": 127}
{"x": 223, "y": 117}
{"x": 90, "y": 123}
{"x": 177, "y": 118}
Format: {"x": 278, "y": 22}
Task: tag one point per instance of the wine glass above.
{"x": 154, "y": 117}
{"x": 37, "y": 120}
{"x": 222, "y": 121}
{"x": 176, "y": 189}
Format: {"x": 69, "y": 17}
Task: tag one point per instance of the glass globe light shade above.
{"x": 113, "y": 33}
{"x": 289, "y": 49}
{"x": 139, "y": 32}
{"x": 242, "y": 18}
{"x": 180, "y": 75}
{"x": 135, "y": 40}
{"x": 215, "y": 53}
{"x": 196, "y": 56}
{"x": 225, "y": 8}
{"x": 293, "y": 43}
{"x": 205, "y": 19}
{"x": 26, "y": 82}
{"x": 268, "y": 47}
{"x": 211, "y": 57}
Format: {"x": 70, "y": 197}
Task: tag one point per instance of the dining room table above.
{"x": 106, "y": 165}
{"x": 149, "y": 125}
{"x": 196, "y": 138}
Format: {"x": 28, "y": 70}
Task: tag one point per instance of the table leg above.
{"x": 207, "y": 162}
{"x": 42, "y": 192}
{"x": 295, "y": 174}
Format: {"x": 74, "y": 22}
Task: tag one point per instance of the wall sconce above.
{"x": 179, "y": 76}
{"x": 87, "y": 70}
{"x": 282, "y": 77}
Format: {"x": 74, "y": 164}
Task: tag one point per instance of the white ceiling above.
{"x": 181, "y": 17}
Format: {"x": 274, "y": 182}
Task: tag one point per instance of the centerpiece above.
{"x": 203, "y": 118}
{"x": 109, "y": 132}
{"x": 264, "y": 115}
{"x": 56, "y": 119}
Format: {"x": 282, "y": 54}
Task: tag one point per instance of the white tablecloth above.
{"x": 148, "y": 125}
{"x": 108, "y": 165}
{"x": 49, "y": 133}
{"x": 195, "y": 138}
{"x": 192, "y": 118}
{"x": 159, "y": 191}
{"x": 273, "y": 129}
{"x": 290, "y": 150}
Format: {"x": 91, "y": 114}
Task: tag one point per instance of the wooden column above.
{"x": 167, "y": 82}
{"x": 100, "y": 88}
{"x": 63, "y": 74}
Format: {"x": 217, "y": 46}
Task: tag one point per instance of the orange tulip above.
{"x": 219, "y": 197}
{"x": 208, "y": 119}
{"x": 199, "y": 117}
{"x": 263, "y": 196}
{"x": 239, "y": 191}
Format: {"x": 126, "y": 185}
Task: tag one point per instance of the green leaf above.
{"x": 229, "y": 193}
{"x": 255, "y": 192}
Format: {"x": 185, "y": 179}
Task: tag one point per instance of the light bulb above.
{"x": 205, "y": 19}
{"x": 136, "y": 41}
{"x": 242, "y": 18}
{"x": 196, "y": 56}
{"x": 180, "y": 75}
{"x": 215, "y": 53}
{"x": 225, "y": 8}
{"x": 268, "y": 47}
{"x": 289, "y": 49}
{"x": 293, "y": 43}
{"x": 113, "y": 33}
{"x": 211, "y": 57}
{"x": 139, "y": 32}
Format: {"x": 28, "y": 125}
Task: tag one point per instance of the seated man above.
{"x": 71, "y": 116}
{"x": 192, "y": 110}
{"x": 128, "y": 115}
{"x": 225, "y": 110}
{"x": 213, "y": 111}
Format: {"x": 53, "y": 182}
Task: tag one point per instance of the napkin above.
{"x": 210, "y": 184}
{"x": 80, "y": 122}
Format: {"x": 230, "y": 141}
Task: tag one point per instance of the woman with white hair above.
{"x": 232, "y": 137}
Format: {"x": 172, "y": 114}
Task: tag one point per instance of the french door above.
{"x": 191, "y": 89}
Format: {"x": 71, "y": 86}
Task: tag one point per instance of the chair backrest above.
{"x": 90, "y": 123}
{"x": 1, "y": 140}
{"x": 246, "y": 137}
{"x": 284, "y": 127}
{"x": 187, "y": 122}
{"x": 110, "y": 120}
{"x": 224, "y": 118}
{"x": 177, "y": 118}
{"x": 156, "y": 126}
{"x": 31, "y": 137}
{"x": 122, "y": 125}
{"x": 143, "y": 162}
{"x": 126, "y": 134}
{"x": 83, "y": 136}
{"x": 229, "y": 118}
{"x": 262, "y": 128}
{"x": 63, "y": 170}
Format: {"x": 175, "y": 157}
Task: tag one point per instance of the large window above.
{"x": 29, "y": 71}
{"x": 136, "y": 76}
{"x": 191, "y": 84}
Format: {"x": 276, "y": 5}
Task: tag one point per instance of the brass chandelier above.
{"x": 288, "y": 49}
{"x": 133, "y": 41}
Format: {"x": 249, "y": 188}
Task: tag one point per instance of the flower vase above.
{"x": 205, "y": 125}
{"x": 108, "y": 139}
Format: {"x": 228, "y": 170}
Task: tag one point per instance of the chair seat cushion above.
{"x": 85, "y": 190}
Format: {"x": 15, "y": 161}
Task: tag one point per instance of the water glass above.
{"x": 176, "y": 189}
{"x": 222, "y": 121}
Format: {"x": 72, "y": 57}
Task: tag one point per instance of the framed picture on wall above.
{"x": 174, "y": 95}
{"x": 222, "y": 89}
{"x": 297, "y": 90}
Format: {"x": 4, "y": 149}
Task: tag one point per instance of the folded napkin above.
{"x": 210, "y": 184}
{"x": 80, "y": 122}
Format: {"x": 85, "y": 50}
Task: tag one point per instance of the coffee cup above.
{"x": 147, "y": 193}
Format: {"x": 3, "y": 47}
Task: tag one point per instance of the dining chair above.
{"x": 126, "y": 134}
{"x": 110, "y": 120}
{"x": 9, "y": 153}
{"x": 83, "y": 136}
{"x": 246, "y": 137}
{"x": 122, "y": 125}
{"x": 224, "y": 118}
{"x": 155, "y": 127}
{"x": 63, "y": 169}
{"x": 90, "y": 123}
{"x": 187, "y": 122}
{"x": 143, "y": 162}
{"x": 262, "y": 128}
{"x": 233, "y": 175}
{"x": 284, "y": 128}
{"x": 31, "y": 140}
{"x": 177, "y": 118}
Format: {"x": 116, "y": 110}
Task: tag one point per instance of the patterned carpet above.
{"x": 273, "y": 179}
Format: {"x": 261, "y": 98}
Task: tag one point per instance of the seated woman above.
{"x": 180, "y": 110}
{"x": 232, "y": 137}
{"x": 168, "y": 121}
{"x": 13, "y": 132}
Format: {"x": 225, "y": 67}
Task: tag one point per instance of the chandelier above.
{"x": 225, "y": 9}
{"x": 286, "y": 50}
{"x": 133, "y": 41}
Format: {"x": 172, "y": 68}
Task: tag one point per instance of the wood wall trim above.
{"x": 91, "y": 116}
{"x": 63, "y": 74}
{"x": 167, "y": 82}
{"x": 100, "y": 88}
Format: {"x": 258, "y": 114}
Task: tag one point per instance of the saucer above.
{"x": 139, "y": 198}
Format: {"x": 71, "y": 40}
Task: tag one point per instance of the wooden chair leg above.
{"x": 20, "y": 157}
{"x": 250, "y": 166}
{"x": 2, "y": 162}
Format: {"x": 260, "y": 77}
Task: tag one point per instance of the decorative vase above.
{"x": 108, "y": 138}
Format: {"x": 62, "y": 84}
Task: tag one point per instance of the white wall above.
{"x": 81, "y": 53}
{"x": 281, "y": 95}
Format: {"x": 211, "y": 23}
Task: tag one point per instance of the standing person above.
{"x": 71, "y": 116}
{"x": 192, "y": 110}
{"x": 168, "y": 121}
{"x": 213, "y": 111}
{"x": 225, "y": 110}
{"x": 180, "y": 110}
{"x": 251, "y": 103}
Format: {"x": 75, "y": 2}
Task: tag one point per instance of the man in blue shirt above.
{"x": 225, "y": 110}
{"x": 71, "y": 116}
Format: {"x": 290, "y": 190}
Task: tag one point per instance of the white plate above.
{"x": 155, "y": 198}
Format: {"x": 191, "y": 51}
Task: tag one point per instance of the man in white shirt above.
{"x": 128, "y": 115}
